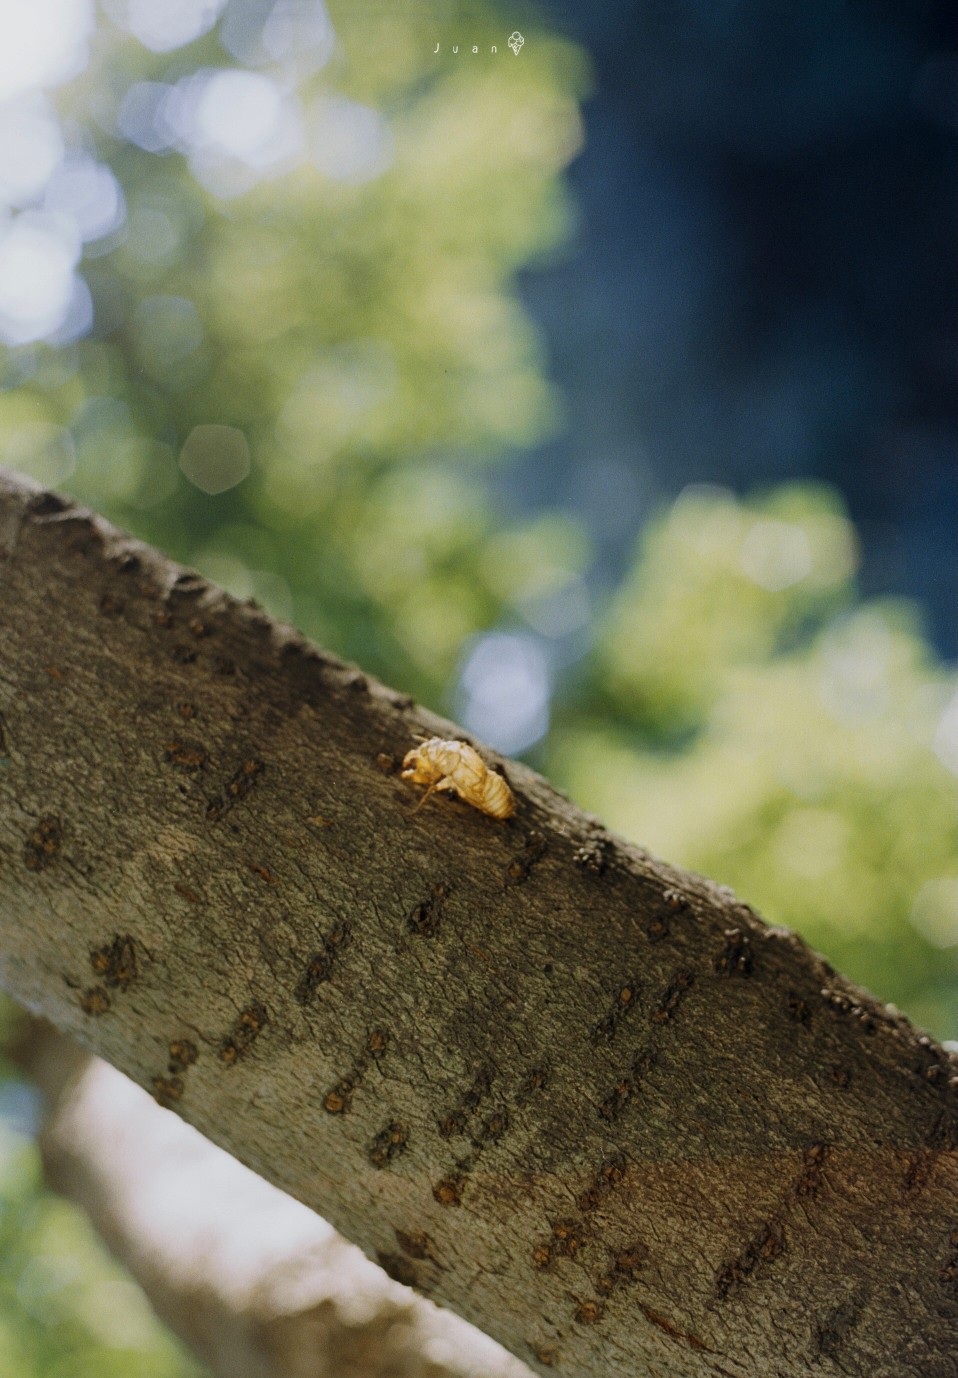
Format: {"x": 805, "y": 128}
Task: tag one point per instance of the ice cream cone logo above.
{"x": 516, "y": 41}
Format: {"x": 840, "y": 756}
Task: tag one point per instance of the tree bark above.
{"x": 591, "y": 1103}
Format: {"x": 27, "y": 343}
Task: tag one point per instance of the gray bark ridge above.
{"x": 590, "y": 1102}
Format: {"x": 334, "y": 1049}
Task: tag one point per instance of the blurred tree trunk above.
{"x": 589, "y": 1102}
{"x": 257, "y": 1285}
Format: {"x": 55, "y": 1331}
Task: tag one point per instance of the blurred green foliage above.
{"x": 66, "y": 1310}
{"x": 297, "y": 378}
{"x": 747, "y": 717}
{"x": 361, "y": 331}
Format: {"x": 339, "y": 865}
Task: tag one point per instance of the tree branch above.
{"x": 595, "y": 1105}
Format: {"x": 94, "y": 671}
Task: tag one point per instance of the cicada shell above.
{"x": 456, "y": 766}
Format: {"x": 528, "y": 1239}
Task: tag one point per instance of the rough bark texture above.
{"x": 589, "y": 1102}
{"x": 256, "y": 1284}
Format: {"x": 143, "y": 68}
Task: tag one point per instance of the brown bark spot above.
{"x": 589, "y": 1312}
{"x": 608, "y": 1177}
{"x": 167, "y": 1090}
{"x": 238, "y": 788}
{"x": 810, "y": 1178}
{"x": 623, "y": 1002}
{"x": 42, "y": 844}
{"x": 264, "y": 874}
{"x": 570, "y": 1237}
{"x": 388, "y": 1144}
{"x": 673, "y": 996}
{"x": 448, "y": 1192}
{"x": 183, "y": 1054}
{"x": 116, "y": 961}
{"x": 339, "y": 1099}
{"x": 520, "y": 867}
{"x": 244, "y": 1032}
{"x": 736, "y": 957}
{"x": 767, "y": 1244}
{"x": 629, "y": 1261}
{"x": 668, "y": 1328}
{"x": 452, "y": 1124}
{"x": 415, "y": 1243}
{"x": 321, "y": 964}
{"x": 617, "y": 1099}
{"x": 493, "y": 1129}
{"x": 423, "y": 919}
{"x": 94, "y": 1002}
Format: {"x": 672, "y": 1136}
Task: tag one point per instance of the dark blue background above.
{"x": 762, "y": 286}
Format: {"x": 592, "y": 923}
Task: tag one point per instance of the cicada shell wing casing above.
{"x": 499, "y": 799}
{"x": 447, "y": 764}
